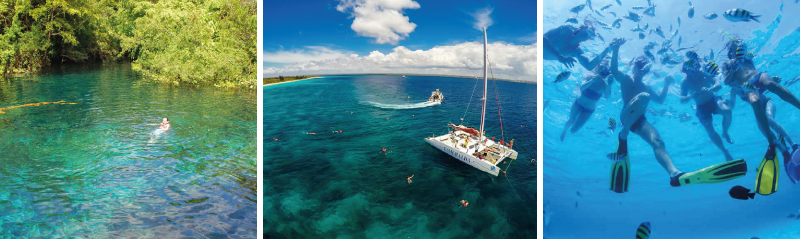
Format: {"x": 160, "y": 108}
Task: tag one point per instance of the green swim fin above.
{"x": 620, "y": 173}
{"x": 768, "y": 171}
{"x": 716, "y": 173}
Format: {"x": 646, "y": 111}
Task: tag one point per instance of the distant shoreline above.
{"x": 396, "y": 74}
{"x": 278, "y": 83}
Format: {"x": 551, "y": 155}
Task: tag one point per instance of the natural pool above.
{"x": 333, "y": 184}
{"x": 93, "y": 169}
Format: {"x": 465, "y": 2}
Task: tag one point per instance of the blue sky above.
{"x": 316, "y": 32}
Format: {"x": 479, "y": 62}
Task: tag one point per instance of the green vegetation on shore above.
{"x": 281, "y": 79}
{"x": 179, "y": 42}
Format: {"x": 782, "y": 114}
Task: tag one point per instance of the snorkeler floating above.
{"x": 563, "y": 44}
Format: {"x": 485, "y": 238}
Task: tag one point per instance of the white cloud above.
{"x": 508, "y": 61}
{"x": 309, "y": 53}
{"x": 482, "y": 18}
{"x": 380, "y": 19}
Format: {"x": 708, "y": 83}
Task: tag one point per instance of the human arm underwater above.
{"x": 567, "y": 61}
{"x": 685, "y": 96}
{"x": 610, "y": 82}
{"x": 594, "y": 62}
{"x": 614, "y": 66}
{"x": 664, "y": 91}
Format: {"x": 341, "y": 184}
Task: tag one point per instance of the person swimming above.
{"x": 594, "y": 86}
{"x": 751, "y": 85}
{"x": 409, "y": 179}
{"x": 563, "y": 44}
{"x": 701, "y": 87}
{"x": 164, "y": 124}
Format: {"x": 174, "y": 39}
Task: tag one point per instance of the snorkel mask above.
{"x": 641, "y": 65}
{"x": 603, "y": 69}
{"x": 588, "y": 29}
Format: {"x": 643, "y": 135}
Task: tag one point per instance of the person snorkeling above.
{"x": 701, "y": 87}
{"x": 563, "y": 44}
{"x": 594, "y": 86}
{"x": 636, "y": 96}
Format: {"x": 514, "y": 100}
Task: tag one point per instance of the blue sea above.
{"x": 577, "y": 200}
{"x": 333, "y": 184}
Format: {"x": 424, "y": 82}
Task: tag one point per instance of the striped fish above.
{"x": 612, "y": 124}
{"x": 711, "y": 69}
{"x": 740, "y": 15}
{"x": 741, "y": 51}
{"x": 562, "y": 76}
{"x": 690, "y": 65}
{"x": 643, "y": 232}
{"x": 692, "y": 55}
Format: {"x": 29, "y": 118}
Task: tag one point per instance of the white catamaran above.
{"x": 470, "y": 145}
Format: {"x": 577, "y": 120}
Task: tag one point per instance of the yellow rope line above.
{"x": 60, "y": 102}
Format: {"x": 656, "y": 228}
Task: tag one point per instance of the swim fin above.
{"x": 768, "y": 171}
{"x": 716, "y": 173}
{"x": 620, "y": 172}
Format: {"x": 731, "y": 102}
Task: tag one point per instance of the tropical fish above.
{"x": 607, "y": 28}
{"x": 692, "y": 55}
{"x": 641, "y": 35}
{"x": 638, "y": 7}
{"x": 618, "y": 2}
{"x": 601, "y": 23}
{"x": 691, "y": 10}
{"x": 589, "y": 3}
{"x": 562, "y": 76}
{"x": 749, "y": 55}
{"x": 598, "y": 13}
{"x": 788, "y": 83}
{"x": 690, "y": 65}
{"x": 711, "y": 69}
{"x": 633, "y": 16}
{"x": 712, "y": 53}
{"x": 643, "y": 231}
{"x": 650, "y": 11}
{"x": 741, "y": 193}
{"x": 612, "y": 124}
{"x": 613, "y": 13}
{"x": 649, "y": 55}
{"x": 650, "y": 46}
{"x": 710, "y": 16}
{"x": 680, "y": 39}
{"x": 572, "y": 20}
{"x": 675, "y": 33}
{"x": 660, "y": 32}
{"x": 637, "y": 29}
{"x": 741, "y": 50}
{"x": 679, "y": 21}
{"x": 646, "y": 26}
{"x": 740, "y": 15}
{"x": 617, "y": 23}
{"x": 601, "y": 37}
{"x": 668, "y": 60}
{"x": 578, "y": 8}
{"x": 649, "y": 3}
{"x": 605, "y": 7}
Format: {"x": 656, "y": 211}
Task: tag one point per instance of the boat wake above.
{"x": 403, "y": 106}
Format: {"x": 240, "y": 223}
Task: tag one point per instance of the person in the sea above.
{"x": 594, "y": 86}
{"x": 164, "y": 124}
{"x": 636, "y": 96}
{"x": 409, "y": 179}
{"x": 701, "y": 87}
{"x": 563, "y": 44}
{"x": 751, "y": 85}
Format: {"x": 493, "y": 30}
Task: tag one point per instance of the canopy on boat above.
{"x": 472, "y": 131}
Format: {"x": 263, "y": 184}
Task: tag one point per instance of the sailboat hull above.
{"x": 462, "y": 154}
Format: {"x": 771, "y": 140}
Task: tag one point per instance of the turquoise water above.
{"x": 341, "y": 185}
{"x": 92, "y": 169}
{"x": 576, "y": 172}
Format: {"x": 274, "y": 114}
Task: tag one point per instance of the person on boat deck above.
{"x": 751, "y": 85}
{"x": 636, "y": 97}
{"x": 164, "y": 124}
{"x": 563, "y": 44}
{"x": 701, "y": 87}
{"x": 594, "y": 86}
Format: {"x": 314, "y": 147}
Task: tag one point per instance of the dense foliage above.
{"x": 194, "y": 42}
{"x": 280, "y": 79}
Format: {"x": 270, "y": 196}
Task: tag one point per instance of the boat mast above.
{"x": 485, "y": 80}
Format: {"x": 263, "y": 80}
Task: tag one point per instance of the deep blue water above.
{"x": 576, "y": 172}
{"x": 330, "y": 185}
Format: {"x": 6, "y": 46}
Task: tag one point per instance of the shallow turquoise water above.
{"x": 92, "y": 169}
{"x": 576, "y": 172}
{"x": 341, "y": 185}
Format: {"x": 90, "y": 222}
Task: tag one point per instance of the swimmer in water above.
{"x": 164, "y": 124}
{"x": 464, "y": 203}
{"x": 409, "y": 179}
{"x": 594, "y": 86}
{"x": 563, "y": 44}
